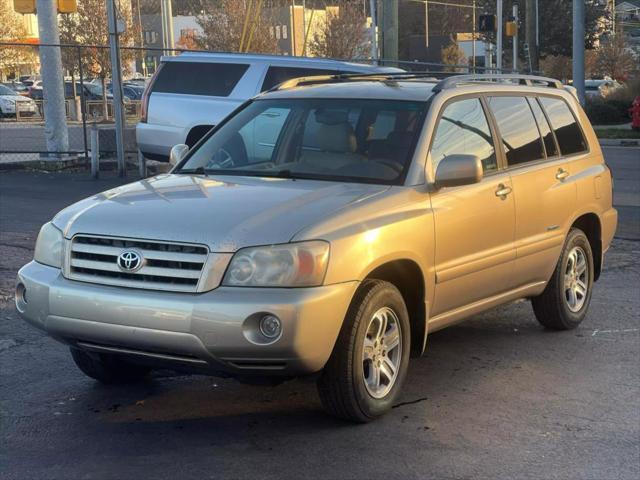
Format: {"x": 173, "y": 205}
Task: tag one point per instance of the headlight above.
{"x": 49, "y": 246}
{"x": 288, "y": 265}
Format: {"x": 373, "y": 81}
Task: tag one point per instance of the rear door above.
{"x": 544, "y": 194}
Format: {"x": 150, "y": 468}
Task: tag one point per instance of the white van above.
{"x": 192, "y": 92}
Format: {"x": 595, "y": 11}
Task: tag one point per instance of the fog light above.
{"x": 270, "y": 326}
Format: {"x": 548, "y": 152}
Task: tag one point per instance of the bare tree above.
{"x": 614, "y": 59}
{"x": 89, "y": 27}
{"x": 453, "y": 56}
{"x": 12, "y": 30}
{"x": 228, "y": 25}
{"x": 342, "y": 34}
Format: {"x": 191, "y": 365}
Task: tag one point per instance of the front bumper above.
{"x": 209, "y": 331}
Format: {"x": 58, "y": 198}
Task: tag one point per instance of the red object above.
{"x": 635, "y": 113}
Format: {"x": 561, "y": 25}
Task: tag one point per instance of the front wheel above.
{"x": 565, "y": 300}
{"x": 367, "y": 368}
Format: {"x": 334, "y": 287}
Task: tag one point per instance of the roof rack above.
{"x": 529, "y": 80}
{"x": 354, "y": 77}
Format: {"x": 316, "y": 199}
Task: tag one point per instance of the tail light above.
{"x": 144, "y": 107}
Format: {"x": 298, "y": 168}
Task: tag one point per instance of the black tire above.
{"x": 108, "y": 369}
{"x": 552, "y": 307}
{"x": 341, "y": 385}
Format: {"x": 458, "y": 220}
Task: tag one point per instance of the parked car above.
{"x": 17, "y": 87}
{"x": 325, "y": 228}
{"x": 11, "y": 102}
{"x": 600, "y": 88}
{"x": 192, "y": 92}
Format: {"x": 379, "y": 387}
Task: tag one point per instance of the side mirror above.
{"x": 178, "y": 152}
{"x": 456, "y": 170}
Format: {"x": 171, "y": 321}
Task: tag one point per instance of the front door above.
{"x": 474, "y": 224}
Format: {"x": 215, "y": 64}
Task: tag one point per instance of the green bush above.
{"x": 605, "y": 113}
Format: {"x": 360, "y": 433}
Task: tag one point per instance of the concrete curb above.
{"x": 619, "y": 142}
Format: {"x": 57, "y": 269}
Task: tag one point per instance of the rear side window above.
{"x": 276, "y": 75}
{"x": 543, "y": 127}
{"x": 197, "y": 78}
{"x": 517, "y": 129}
{"x": 567, "y": 130}
{"x": 463, "y": 129}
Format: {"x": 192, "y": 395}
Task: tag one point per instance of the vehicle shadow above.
{"x": 196, "y": 409}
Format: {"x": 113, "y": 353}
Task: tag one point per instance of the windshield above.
{"x": 4, "y": 90}
{"x": 353, "y": 140}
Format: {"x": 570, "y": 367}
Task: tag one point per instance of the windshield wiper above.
{"x": 194, "y": 171}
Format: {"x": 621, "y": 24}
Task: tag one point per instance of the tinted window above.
{"x": 276, "y": 75}
{"x": 543, "y": 127}
{"x": 517, "y": 127}
{"x": 570, "y": 139}
{"x": 463, "y": 129}
{"x": 195, "y": 78}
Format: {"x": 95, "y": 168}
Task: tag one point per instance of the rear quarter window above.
{"x": 565, "y": 126}
{"x": 197, "y": 78}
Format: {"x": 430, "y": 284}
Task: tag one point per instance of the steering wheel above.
{"x": 395, "y": 166}
{"x": 222, "y": 159}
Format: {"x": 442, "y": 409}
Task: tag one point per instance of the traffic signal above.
{"x": 24, "y": 6}
{"x": 487, "y": 23}
{"x": 29, "y": 6}
{"x": 67, "y": 6}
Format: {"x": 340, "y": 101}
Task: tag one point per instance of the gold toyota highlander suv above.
{"x": 325, "y": 227}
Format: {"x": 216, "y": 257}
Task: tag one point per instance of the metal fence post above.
{"x": 95, "y": 151}
{"x": 142, "y": 165}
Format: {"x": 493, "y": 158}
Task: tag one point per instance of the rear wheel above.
{"x": 108, "y": 368}
{"x": 565, "y": 301}
{"x": 367, "y": 368}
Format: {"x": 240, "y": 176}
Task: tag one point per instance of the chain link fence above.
{"x": 89, "y": 97}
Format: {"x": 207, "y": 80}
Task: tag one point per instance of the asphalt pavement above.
{"x": 494, "y": 397}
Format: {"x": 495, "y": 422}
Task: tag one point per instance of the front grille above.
{"x": 165, "y": 266}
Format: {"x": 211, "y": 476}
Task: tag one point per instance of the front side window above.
{"x": 567, "y": 130}
{"x": 325, "y": 139}
{"x": 463, "y": 129}
{"x": 517, "y": 129}
{"x": 199, "y": 78}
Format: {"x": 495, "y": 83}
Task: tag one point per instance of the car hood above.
{"x": 13, "y": 98}
{"x": 224, "y": 213}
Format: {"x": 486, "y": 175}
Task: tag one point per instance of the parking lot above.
{"x": 494, "y": 397}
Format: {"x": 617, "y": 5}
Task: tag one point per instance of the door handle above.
{"x": 503, "y": 191}
{"x": 562, "y": 174}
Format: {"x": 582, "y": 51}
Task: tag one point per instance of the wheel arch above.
{"x": 590, "y": 224}
{"x": 407, "y": 276}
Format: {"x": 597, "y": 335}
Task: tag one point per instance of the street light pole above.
{"x": 515, "y": 38}
{"x": 578, "y": 48}
{"x": 499, "y": 39}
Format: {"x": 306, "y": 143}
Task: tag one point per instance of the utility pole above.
{"x": 473, "y": 37}
{"x": 167, "y": 26}
{"x": 389, "y": 29}
{"x": 374, "y": 30}
{"x": 531, "y": 20}
{"x": 115, "y": 28}
{"x": 55, "y": 122}
{"x": 499, "y": 37}
{"x": 426, "y": 23}
{"x": 515, "y": 38}
{"x": 578, "y": 48}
